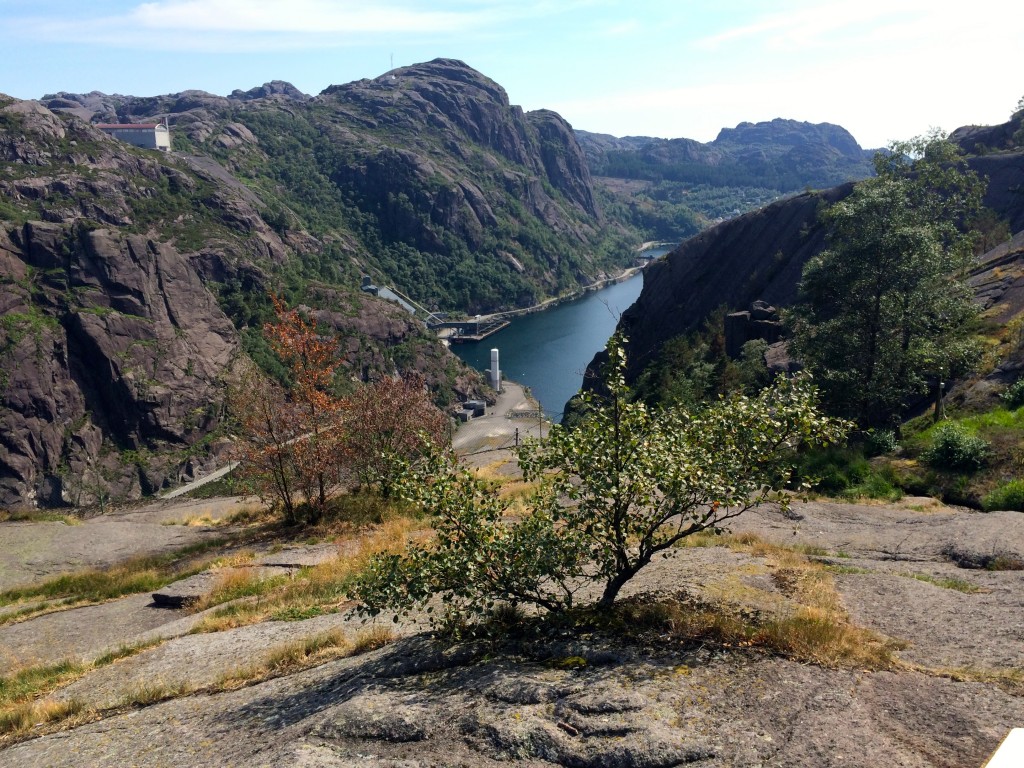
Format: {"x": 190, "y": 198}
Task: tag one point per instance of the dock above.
{"x": 469, "y": 331}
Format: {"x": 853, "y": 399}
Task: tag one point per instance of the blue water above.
{"x": 549, "y": 351}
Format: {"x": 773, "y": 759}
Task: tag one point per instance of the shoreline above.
{"x": 556, "y": 300}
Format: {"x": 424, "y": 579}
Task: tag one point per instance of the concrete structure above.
{"x": 145, "y": 135}
{"x": 495, "y": 373}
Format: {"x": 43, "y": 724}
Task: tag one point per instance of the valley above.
{"x": 355, "y": 593}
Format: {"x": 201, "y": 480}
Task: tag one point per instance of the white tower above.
{"x": 495, "y": 371}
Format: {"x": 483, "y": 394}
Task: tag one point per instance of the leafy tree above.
{"x": 392, "y": 425}
{"x": 311, "y": 359}
{"x": 627, "y": 484}
{"x": 885, "y": 310}
{"x": 291, "y": 445}
{"x": 265, "y": 451}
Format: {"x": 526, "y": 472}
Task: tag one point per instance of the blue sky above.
{"x": 884, "y": 69}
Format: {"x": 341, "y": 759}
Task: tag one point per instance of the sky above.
{"x": 882, "y": 69}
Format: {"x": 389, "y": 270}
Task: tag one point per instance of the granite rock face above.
{"x": 761, "y": 255}
{"x": 758, "y": 256}
{"x": 111, "y": 346}
{"x": 433, "y": 180}
{"x": 118, "y": 267}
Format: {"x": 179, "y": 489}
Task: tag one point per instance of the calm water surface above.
{"x": 549, "y": 351}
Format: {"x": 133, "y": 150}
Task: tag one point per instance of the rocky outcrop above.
{"x": 113, "y": 349}
{"x": 758, "y": 256}
{"x": 126, "y": 276}
{"x": 431, "y": 178}
{"x": 465, "y": 148}
{"x": 761, "y": 321}
{"x": 275, "y": 88}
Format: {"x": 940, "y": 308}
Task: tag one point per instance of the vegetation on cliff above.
{"x": 885, "y": 311}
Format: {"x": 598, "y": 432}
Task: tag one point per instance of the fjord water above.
{"x": 548, "y": 351}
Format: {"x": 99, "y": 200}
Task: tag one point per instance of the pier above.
{"x": 466, "y": 331}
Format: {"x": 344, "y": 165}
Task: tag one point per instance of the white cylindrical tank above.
{"x": 495, "y": 370}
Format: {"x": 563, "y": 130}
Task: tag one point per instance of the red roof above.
{"x": 128, "y": 125}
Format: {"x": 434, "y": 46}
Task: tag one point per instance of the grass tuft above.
{"x": 317, "y": 590}
{"x": 22, "y": 703}
{"x": 95, "y": 585}
{"x": 946, "y": 582}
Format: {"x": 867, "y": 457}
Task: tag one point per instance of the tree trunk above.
{"x": 614, "y": 584}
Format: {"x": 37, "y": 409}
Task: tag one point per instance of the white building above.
{"x": 146, "y": 135}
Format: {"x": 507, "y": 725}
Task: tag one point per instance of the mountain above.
{"x": 426, "y": 178}
{"x": 760, "y": 255}
{"x": 784, "y": 155}
{"x": 132, "y": 281}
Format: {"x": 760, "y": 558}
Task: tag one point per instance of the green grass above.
{"x": 844, "y": 569}
{"x": 37, "y": 516}
{"x": 22, "y": 693}
{"x": 946, "y": 582}
{"x": 94, "y": 585}
{"x": 1007, "y": 496}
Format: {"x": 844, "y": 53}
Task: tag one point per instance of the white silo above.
{"x": 495, "y": 370}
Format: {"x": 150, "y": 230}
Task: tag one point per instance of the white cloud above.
{"x": 311, "y": 16}
{"x": 821, "y": 25}
{"x": 261, "y": 25}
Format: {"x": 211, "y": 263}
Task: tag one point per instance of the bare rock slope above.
{"x": 591, "y": 700}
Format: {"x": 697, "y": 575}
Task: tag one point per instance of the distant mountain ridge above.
{"x": 786, "y": 155}
{"x": 426, "y": 176}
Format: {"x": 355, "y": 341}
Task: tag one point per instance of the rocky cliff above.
{"x": 131, "y": 281}
{"x": 426, "y": 177}
{"x": 760, "y": 256}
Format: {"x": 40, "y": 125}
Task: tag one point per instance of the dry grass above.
{"x": 809, "y": 624}
{"x": 507, "y": 486}
{"x": 247, "y": 514}
{"x": 233, "y": 583}
{"x": 1010, "y": 679}
{"x": 23, "y": 706}
{"x": 303, "y": 653}
{"x": 320, "y": 589}
{"x": 37, "y": 516}
{"x": 153, "y": 692}
{"x": 96, "y": 585}
{"x": 18, "y": 720}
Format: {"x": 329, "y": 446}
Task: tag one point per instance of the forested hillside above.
{"x": 426, "y": 178}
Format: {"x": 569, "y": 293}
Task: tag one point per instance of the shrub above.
{"x": 877, "y": 485}
{"x": 1007, "y": 496}
{"x": 621, "y": 489}
{"x": 833, "y": 470}
{"x": 881, "y": 441}
{"x": 954, "y": 448}
{"x": 1014, "y": 394}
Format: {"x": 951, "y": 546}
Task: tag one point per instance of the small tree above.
{"x": 392, "y": 426}
{"x": 265, "y": 450}
{"x": 290, "y": 446}
{"x": 311, "y": 359}
{"x": 629, "y": 482}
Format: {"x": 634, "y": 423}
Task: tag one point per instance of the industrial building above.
{"x": 146, "y": 135}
